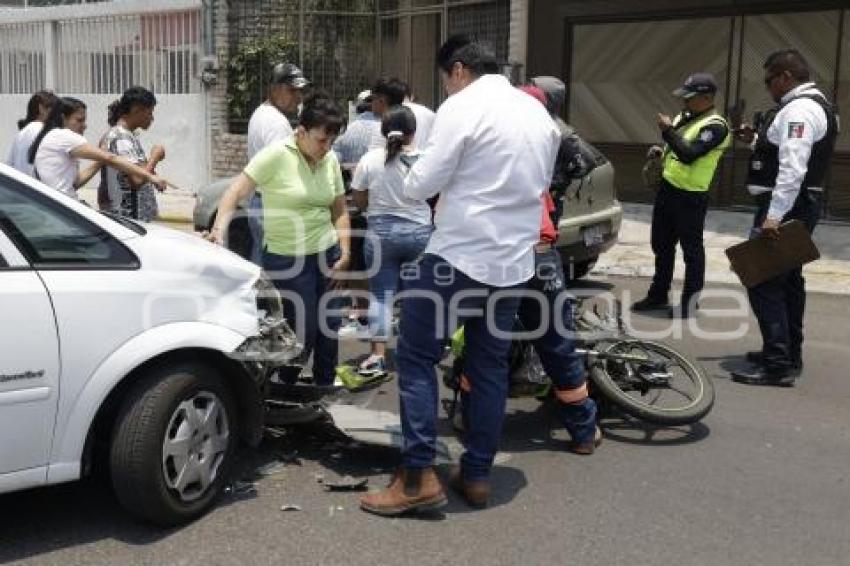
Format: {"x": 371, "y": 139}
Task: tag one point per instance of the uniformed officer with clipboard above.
{"x": 791, "y": 153}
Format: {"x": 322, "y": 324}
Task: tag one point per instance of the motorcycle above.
{"x": 649, "y": 380}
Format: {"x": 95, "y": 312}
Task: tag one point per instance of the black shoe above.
{"x": 650, "y": 304}
{"x": 757, "y": 357}
{"x": 763, "y": 376}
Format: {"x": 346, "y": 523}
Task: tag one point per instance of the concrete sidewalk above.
{"x": 632, "y": 255}
{"x": 174, "y": 207}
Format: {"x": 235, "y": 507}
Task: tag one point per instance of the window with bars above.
{"x": 333, "y": 41}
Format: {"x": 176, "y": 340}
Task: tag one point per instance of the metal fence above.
{"x": 333, "y": 41}
{"x": 22, "y": 58}
{"x": 106, "y": 55}
{"x": 412, "y": 31}
{"x": 343, "y": 45}
{"x": 102, "y": 54}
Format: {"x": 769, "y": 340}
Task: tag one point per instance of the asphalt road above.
{"x": 764, "y": 479}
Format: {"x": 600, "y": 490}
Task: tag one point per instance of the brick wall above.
{"x": 518, "y": 41}
{"x": 228, "y": 150}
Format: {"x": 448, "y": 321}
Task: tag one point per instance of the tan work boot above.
{"x": 411, "y": 489}
{"x": 475, "y": 493}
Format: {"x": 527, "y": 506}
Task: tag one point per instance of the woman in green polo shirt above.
{"x": 306, "y": 246}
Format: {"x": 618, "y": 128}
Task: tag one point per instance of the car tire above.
{"x": 173, "y": 443}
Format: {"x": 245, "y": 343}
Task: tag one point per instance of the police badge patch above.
{"x": 706, "y": 136}
{"x": 796, "y": 129}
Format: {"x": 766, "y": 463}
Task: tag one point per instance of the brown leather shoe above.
{"x": 475, "y": 493}
{"x": 586, "y": 448}
{"x": 410, "y": 490}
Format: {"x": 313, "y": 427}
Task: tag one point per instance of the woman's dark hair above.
{"x": 39, "y": 99}
{"x": 398, "y": 123}
{"x": 113, "y": 112}
{"x": 477, "y": 57}
{"x": 135, "y": 96}
{"x": 392, "y": 89}
{"x": 321, "y": 111}
{"x": 62, "y": 109}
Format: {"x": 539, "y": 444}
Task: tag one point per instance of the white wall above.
{"x": 180, "y": 125}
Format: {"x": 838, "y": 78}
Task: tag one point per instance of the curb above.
{"x": 174, "y": 218}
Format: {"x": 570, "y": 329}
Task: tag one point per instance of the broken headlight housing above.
{"x": 277, "y": 343}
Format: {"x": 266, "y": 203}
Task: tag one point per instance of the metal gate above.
{"x": 96, "y": 51}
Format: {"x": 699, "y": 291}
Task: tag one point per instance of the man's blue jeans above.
{"x": 302, "y": 283}
{"x": 438, "y": 300}
{"x": 557, "y": 351}
{"x": 392, "y": 245}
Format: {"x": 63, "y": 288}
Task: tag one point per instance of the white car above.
{"x": 134, "y": 345}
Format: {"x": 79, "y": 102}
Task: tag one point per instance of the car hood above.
{"x": 214, "y": 284}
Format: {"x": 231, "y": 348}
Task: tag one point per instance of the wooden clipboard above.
{"x": 761, "y": 258}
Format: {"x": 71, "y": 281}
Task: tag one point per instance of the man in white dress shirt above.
{"x": 792, "y": 151}
{"x": 491, "y": 155}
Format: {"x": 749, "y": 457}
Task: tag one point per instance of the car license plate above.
{"x": 595, "y": 234}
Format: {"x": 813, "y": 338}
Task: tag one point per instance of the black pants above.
{"x": 678, "y": 217}
{"x": 780, "y": 303}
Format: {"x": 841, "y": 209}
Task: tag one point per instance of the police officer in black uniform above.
{"x": 695, "y": 142}
{"x": 788, "y": 167}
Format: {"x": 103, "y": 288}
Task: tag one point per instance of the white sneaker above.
{"x": 373, "y": 366}
{"x": 353, "y": 329}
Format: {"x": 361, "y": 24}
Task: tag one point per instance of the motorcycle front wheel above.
{"x": 653, "y": 382}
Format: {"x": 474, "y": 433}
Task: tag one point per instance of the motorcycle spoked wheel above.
{"x": 668, "y": 405}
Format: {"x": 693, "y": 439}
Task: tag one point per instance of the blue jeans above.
{"x": 557, "y": 352}
{"x": 395, "y": 243}
{"x": 255, "y": 225}
{"x": 302, "y": 287}
{"x": 426, "y": 324}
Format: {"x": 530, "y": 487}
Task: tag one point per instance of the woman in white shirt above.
{"x": 38, "y": 108}
{"x": 399, "y": 227}
{"x": 60, "y": 145}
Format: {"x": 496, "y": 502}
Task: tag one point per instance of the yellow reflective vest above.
{"x": 696, "y": 176}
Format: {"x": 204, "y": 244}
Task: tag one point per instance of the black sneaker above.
{"x": 650, "y": 304}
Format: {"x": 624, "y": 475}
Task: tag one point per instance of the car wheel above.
{"x": 173, "y": 444}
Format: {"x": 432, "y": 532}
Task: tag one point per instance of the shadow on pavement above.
{"x": 727, "y": 364}
{"x": 632, "y": 431}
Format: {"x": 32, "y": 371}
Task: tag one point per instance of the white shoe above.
{"x": 353, "y": 329}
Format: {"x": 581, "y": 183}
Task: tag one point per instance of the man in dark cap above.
{"x": 695, "y": 141}
{"x": 270, "y": 123}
